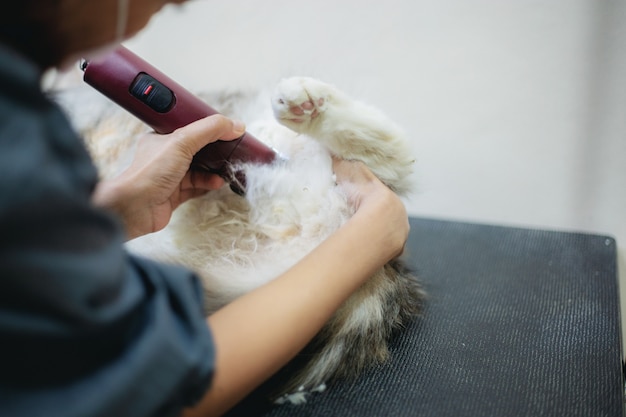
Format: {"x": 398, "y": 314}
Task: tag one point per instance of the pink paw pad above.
{"x": 306, "y": 107}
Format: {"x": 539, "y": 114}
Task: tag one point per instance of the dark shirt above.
{"x": 85, "y": 328}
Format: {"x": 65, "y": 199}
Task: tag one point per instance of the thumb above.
{"x": 196, "y": 135}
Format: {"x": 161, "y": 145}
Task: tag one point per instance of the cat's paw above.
{"x": 298, "y": 102}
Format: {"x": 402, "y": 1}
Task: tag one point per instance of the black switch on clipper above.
{"x": 152, "y": 92}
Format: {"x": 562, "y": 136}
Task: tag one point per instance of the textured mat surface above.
{"x": 518, "y": 322}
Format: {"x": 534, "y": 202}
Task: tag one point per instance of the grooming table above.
{"x": 518, "y": 322}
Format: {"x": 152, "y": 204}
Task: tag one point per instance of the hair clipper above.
{"x": 166, "y": 106}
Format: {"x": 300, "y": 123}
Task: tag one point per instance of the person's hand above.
{"x": 159, "y": 179}
{"x": 370, "y": 197}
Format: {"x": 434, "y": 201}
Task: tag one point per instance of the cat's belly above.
{"x": 237, "y": 244}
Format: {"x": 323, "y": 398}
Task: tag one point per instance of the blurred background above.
{"x": 516, "y": 110}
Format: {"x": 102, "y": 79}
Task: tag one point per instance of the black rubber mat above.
{"x": 518, "y": 322}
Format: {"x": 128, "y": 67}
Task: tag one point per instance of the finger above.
{"x": 352, "y": 171}
{"x": 337, "y": 161}
{"x": 196, "y": 135}
{"x": 201, "y": 180}
{"x": 340, "y": 166}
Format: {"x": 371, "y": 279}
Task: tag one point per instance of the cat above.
{"x": 237, "y": 243}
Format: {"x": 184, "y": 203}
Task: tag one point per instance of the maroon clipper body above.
{"x": 166, "y": 106}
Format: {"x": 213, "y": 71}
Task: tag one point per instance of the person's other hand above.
{"x": 370, "y": 197}
{"x": 159, "y": 179}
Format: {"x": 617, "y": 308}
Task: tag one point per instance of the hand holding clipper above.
{"x": 166, "y": 106}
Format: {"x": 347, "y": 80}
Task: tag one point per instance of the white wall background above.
{"x": 516, "y": 108}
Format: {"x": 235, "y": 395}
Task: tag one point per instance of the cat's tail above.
{"x": 357, "y": 336}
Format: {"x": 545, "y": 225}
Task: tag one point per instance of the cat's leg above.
{"x": 347, "y": 127}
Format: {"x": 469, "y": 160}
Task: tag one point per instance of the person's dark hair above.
{"x": 28, "y": 27}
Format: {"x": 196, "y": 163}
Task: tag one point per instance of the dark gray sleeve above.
{"x": 85, "y": 328}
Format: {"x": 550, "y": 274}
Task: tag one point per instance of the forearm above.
{"x": 261, "y": 331}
